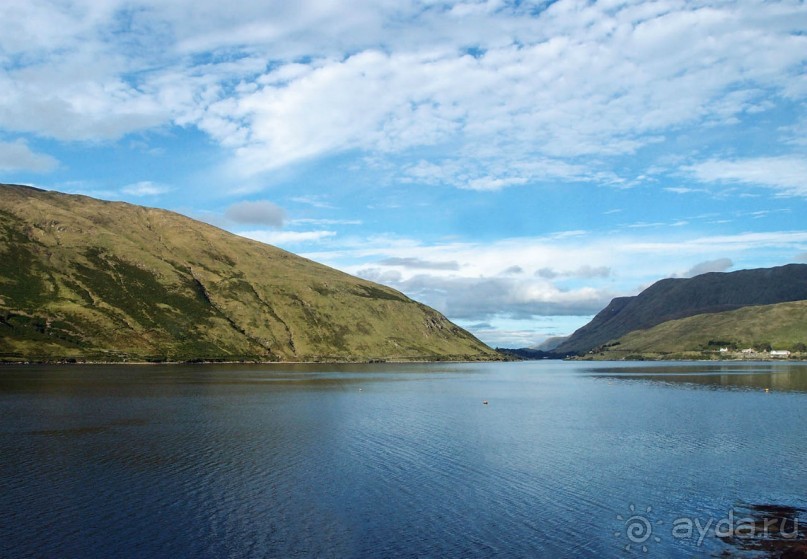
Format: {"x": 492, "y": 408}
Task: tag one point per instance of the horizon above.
{"x": 515, "y": 165}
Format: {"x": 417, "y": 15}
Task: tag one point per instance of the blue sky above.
{"x": 513, "y": 164}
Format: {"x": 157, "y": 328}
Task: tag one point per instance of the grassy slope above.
{"x": 672, "y": 299}
{"x": 783, "y": 326}
{"x": 87, "y": 279}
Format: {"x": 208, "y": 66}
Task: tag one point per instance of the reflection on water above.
{"x": 62, "y": 378}
{"x": 770, "y": 376}
{"x": 393, "y": 460}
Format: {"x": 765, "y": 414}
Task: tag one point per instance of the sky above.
{"x": 514, "y": 164}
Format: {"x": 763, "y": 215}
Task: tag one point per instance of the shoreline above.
{"x": 801, "y": 359}
{"x": 256, "y": 362}
{"x": 15, "y": 364}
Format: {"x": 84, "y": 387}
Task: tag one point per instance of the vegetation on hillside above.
{"x": 84, "y": 279}
{"x": 750, "y": 332}
{"x": 672, "y": 299}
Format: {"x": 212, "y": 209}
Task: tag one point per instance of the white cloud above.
{"x": 323, "y": 221}
{"x": 511, "y": 338}
{"x": 786, "y": 174}
{"x": 484, "y": 297}
{"x": 510, "y": 332}
{"x": 492, "y": 183}
{"x": 34, "y": 28}
{"x": 563, "y": 276}
{"x": 684, "y": 190}
{"x": 285, "y": 238}
{"x": 420, "y": 264}
{"x": 490, "y": 169}
{"x": 80, "y": 97}
{"x": 315, "y": 201}
{"x": 796, "y": 134}
{"x": 721, "y": 244}
{"x": 279, "y": 83}
{"x": 17, "y": 156}
{"x": 145, "y": 188}
{"x": 605, "y": 82}
{"x": 585, "y": 271}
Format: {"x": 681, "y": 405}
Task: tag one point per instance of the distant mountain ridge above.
{"x": 677, "y": 298}
{"x": 550, "y": 344}
{"x": 86, "y": 279}
{"x": 751, "y": 331}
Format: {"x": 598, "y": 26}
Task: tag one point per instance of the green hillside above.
{"x": 91, "y": 280}
{"x": 782, "y": 326}
{"x": 676, "y": 298}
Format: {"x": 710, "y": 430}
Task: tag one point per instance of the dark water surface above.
{"x": 566, "y": 459}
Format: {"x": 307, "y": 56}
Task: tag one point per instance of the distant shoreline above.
{"x": 216, "y": 362}
{"x": 792, "y": 359}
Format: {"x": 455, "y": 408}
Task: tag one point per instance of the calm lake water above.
{"x": 566, "y": 459}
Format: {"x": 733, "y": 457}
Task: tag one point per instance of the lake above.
{"x": 566, "y": 459}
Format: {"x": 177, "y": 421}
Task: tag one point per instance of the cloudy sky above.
{"x": 515, "y": 164}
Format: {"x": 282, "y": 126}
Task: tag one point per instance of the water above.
{"x": 566, "y": 459}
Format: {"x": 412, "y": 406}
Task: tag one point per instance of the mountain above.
{"x": 544, "y": 350}
{"x": 781, "y": 326}
{"x": 672, "y": 299}
{"x": 550, "y": 344}
{"x": 86, "y": 279}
